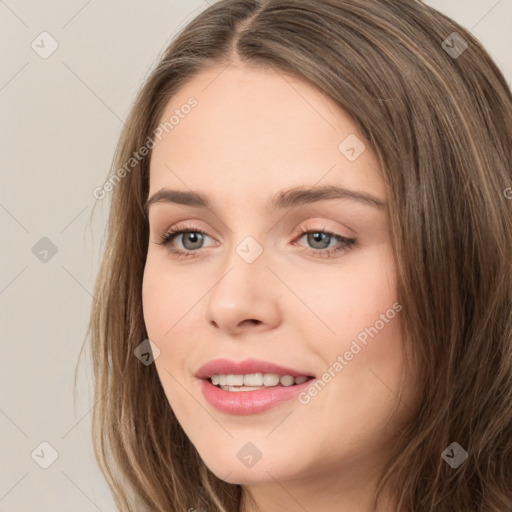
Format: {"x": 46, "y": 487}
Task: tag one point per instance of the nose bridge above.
{"x": 246, "y": 237}
{"x": 245, "y": 266}
{"x": 249, "y": 249}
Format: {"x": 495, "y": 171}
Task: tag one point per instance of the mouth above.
{"x": 247, "y": 367}
{"x": 255, "y": 381}
{"x": 250, "y": 386}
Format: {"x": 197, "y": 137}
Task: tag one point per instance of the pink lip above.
{"x": 247, "y": 402}
{"x": 225, "y": 366}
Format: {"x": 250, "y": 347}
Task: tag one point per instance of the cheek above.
{"x": 172, "y": 318}
{"x": 369, "y": 329}
{"x": 154, "y": 302}
{"x": 370, "y": 289}
{"x": 166, "y": 296}
{"x": 349, "y": 298}
{"x": 364, "y": 352}
{"x": 165, "y": 303}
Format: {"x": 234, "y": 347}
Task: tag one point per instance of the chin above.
{"x": 234, "y": 471}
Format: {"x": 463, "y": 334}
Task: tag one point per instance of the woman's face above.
{"x": 255, "y": 287}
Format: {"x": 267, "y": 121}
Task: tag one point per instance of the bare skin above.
{"x": 254, "y": 133}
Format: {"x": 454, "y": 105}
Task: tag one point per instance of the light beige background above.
{"x": 60, "y": 119}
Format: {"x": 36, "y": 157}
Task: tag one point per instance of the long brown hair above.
{"x": 438, "y": 115}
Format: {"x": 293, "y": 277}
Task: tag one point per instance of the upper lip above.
{"x": 226, "y": 366}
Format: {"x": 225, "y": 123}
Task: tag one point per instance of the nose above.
{"x": 245, "y": 296}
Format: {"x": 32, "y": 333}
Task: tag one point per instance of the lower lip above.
{"x": 249, "y": 402}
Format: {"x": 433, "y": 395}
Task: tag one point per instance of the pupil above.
{"x": 317, "y": 238}
{"x": 197, "y": 236}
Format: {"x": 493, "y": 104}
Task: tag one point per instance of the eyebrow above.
{"x": 290, "y": 198}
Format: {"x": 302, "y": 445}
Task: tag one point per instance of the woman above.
{"x": 256, "y": 370}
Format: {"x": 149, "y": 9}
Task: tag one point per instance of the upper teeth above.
{"x": 256, "y": 379}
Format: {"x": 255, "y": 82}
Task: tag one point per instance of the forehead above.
{"x": 255, "y": 129}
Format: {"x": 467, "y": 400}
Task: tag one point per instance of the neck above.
{"x": 327, "y": 492}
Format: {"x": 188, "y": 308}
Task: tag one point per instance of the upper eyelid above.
{"x": 174, "y": 232}
{"x": 179, "y": 229}
{"x": 182, "y": 225}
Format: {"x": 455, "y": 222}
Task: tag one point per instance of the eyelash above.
{"x": 168, "y": 237}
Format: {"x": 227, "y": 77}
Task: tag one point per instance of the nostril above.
{"x": 252, "y": 321}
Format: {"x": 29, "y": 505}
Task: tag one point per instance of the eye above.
{"x": 191, "y": 241}
{"x": 319, "y": 239}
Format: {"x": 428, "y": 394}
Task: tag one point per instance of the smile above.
{"x": 249, "y": 386}
{"x": 253, "y": 381}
